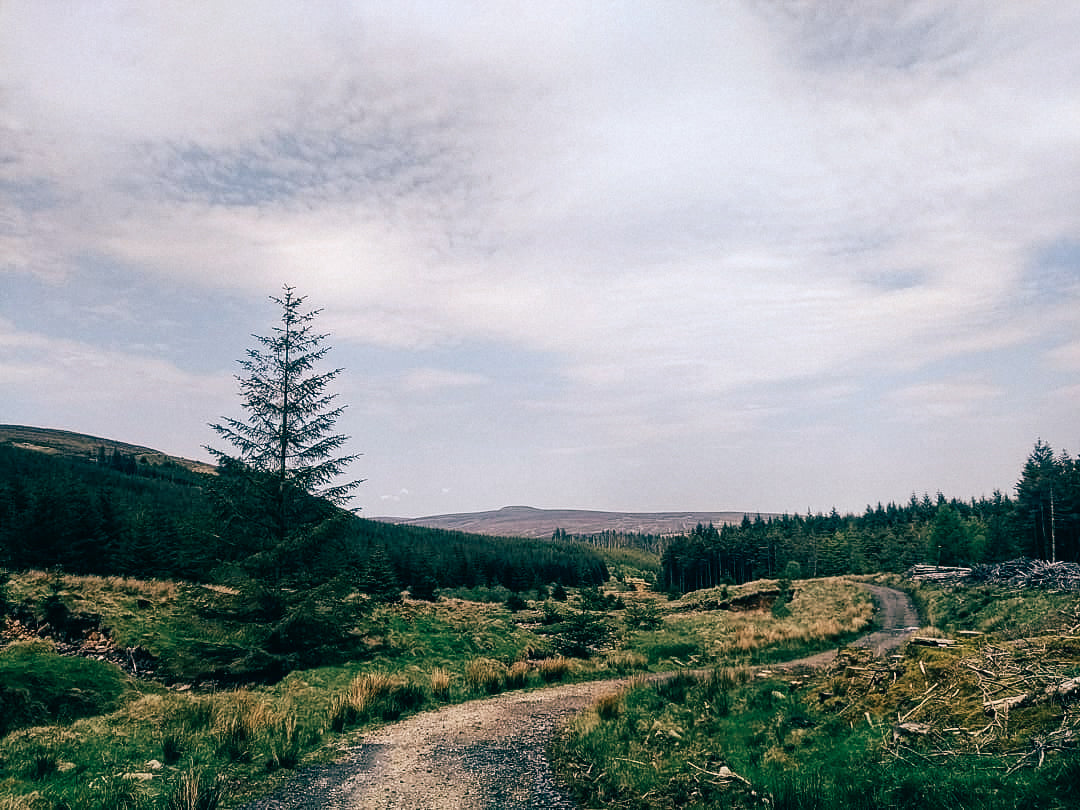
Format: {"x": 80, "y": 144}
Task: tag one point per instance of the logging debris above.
{"x": 1023, "y": 572}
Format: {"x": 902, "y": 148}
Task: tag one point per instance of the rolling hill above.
{"x": 527, "y": 521}
{"x": 82, "y": 446}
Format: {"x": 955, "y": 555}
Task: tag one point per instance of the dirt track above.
{"x": 491, "y": 754}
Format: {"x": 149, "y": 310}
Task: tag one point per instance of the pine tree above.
{"x": 286, "y": 444}
{"x": 1036, "y": 500}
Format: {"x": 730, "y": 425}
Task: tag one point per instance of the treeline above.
{"x": 116, "y": 517}
{"x": 112, "y": 515}
{"x": 611, "y": 539}
{"x": 1042, "y": 520}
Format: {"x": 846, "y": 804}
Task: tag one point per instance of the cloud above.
{"x": 432, "y": 379}
{"x": 943, "y": 402}
{"x": 687, "y": 222}
{"x": 48, "y": 380}
{"x": 1066, "y": 357}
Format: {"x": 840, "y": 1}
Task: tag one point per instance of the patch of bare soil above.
{"x": 491, "y": 754}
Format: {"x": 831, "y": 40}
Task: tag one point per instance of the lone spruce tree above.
{"x": 285, "y": 447}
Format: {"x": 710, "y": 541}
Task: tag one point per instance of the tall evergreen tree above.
{"x": 1037, "y": 491}
{"x": 286, "y": 441}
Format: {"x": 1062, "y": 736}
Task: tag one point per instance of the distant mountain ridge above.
{"x": 82, "y": 445}
{"x": 528, "y": 521}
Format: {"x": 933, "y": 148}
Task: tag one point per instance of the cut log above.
{"x": 1065, "y": 689}
{"x": 911, "y": 729}
{"x": 996, "y": 707}
{"x": 925, "y": 641}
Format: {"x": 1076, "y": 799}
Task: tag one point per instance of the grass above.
{"x": 835, "y": 740}
{"x": 822, "y": 614}
{"x": 409, "y": 656}
{"x": 40, "y": 687}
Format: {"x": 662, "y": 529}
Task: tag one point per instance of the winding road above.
{"x": 491, "y": 754}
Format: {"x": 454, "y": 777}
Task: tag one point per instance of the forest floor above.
{"x": 492, "y": 754}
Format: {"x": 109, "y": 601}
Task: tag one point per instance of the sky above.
{"x": 633, "y": 256}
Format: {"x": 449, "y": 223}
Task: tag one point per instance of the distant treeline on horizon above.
{"x": 1042, "y": 521}
{"x": 110, "y": 514}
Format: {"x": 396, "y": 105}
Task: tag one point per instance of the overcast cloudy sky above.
{"x": 625, "y": 255}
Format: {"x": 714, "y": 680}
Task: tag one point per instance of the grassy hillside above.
{"x": 84, "y": 447}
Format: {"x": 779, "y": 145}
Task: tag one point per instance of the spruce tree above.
{"x": 286, "y": 450}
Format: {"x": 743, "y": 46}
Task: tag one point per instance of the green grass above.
{"x": 829, "y": 741}
{"x": 403, "y": 658}
{"x": 665, "y": 745}
{"x": 39, "y": 687}
{"x": 1005, "y": 612}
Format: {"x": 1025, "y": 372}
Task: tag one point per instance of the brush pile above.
{"x": 1006, "y": 705}
{"x": 1019, "y": 573}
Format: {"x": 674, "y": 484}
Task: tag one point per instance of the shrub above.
{"x": 582, "y": 633}
{"x": 643, "y": 615}
{"x": 516, "y": 602}
{"x": 549, "y": 613}
{"x": 595, "y": 599}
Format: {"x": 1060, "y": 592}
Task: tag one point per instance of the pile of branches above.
{"x": 1009, "y": 705}
{"x": 1019, "y": 573}
{"x": 1029, "y": 573}
{"x": 1001, "y": 681}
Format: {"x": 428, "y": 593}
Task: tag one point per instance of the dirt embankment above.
{"x": 491, "y": 754}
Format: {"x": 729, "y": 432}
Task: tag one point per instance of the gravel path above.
{"x": 491, "y": 754}
{"x": 482, "y": 755}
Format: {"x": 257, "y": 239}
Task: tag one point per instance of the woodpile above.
{"x": 1010, "y": 678}
{"x": 1029, "y": 573}
{"x": 943, "y": 574}
{"x": 1019, "y": 573}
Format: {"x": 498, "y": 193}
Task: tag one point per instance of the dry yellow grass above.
{"x": 439, "y": 682}
{"x": 554, "y": 669}
{"x": 90, "y": 585}
{"x": 486, "y": 675}
{"x": 518, "y": 674}
{"x": 821, "y": 610}
{"x": 624, "y": 661}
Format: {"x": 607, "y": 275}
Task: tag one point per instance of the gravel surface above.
{"x": 491, "y": 754}
{"x": 482, "y": 755}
